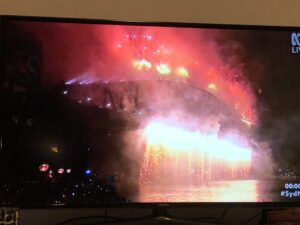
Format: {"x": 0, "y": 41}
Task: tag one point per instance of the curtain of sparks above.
{"x": 173, "y": 154}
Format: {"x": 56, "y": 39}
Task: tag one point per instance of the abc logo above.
{"x": 295, "y": 39}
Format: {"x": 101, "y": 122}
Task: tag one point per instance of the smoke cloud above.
{"x": 216, "y": 88}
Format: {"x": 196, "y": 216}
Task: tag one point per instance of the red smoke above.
{"x": 107, "y": 52}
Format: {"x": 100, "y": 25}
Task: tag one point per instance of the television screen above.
{"x": 99, "y": 112}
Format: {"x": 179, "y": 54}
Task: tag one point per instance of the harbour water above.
{"x": 219, "y": 191}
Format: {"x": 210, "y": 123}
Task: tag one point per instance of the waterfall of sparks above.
{"x": 177, "y": 155}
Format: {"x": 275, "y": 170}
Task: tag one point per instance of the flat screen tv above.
{"x": 100, "y": 113}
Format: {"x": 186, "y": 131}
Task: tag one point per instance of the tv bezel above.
{"x": 19, "y": 18}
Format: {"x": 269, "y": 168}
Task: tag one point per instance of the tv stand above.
{"x": 159, "y": 215}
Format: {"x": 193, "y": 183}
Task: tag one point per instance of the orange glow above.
{"x": 212, "y": 87}
{"x": 142, "y": 64}
{"x": 182, "y": 72}
{"x": 175, "y": 152}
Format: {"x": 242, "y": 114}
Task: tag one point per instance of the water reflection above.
{"x": 221, "y": 191}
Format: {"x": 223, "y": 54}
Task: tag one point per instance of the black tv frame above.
{"x": 264, "y": 205}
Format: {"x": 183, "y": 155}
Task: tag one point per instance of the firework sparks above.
{"x": 248, "y": 123}
{"x": 212, "y": 87}
{"x": 177, "y": 153}
{"x": 111, "y": 54}
{"x": 182, "y": 72}
{"x": 142, "y": 64}
{"x": 163, "y": 69}
{"x": 110, "y": 50}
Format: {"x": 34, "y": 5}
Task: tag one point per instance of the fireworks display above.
{"x": 153, "y": 107}
{"x": 166, "y": 53}
{"x": 175, "y": 154}
{"x": 149, "y": 53}
{"x": 134, "y": 52}
{"x": 156, "y": 53}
